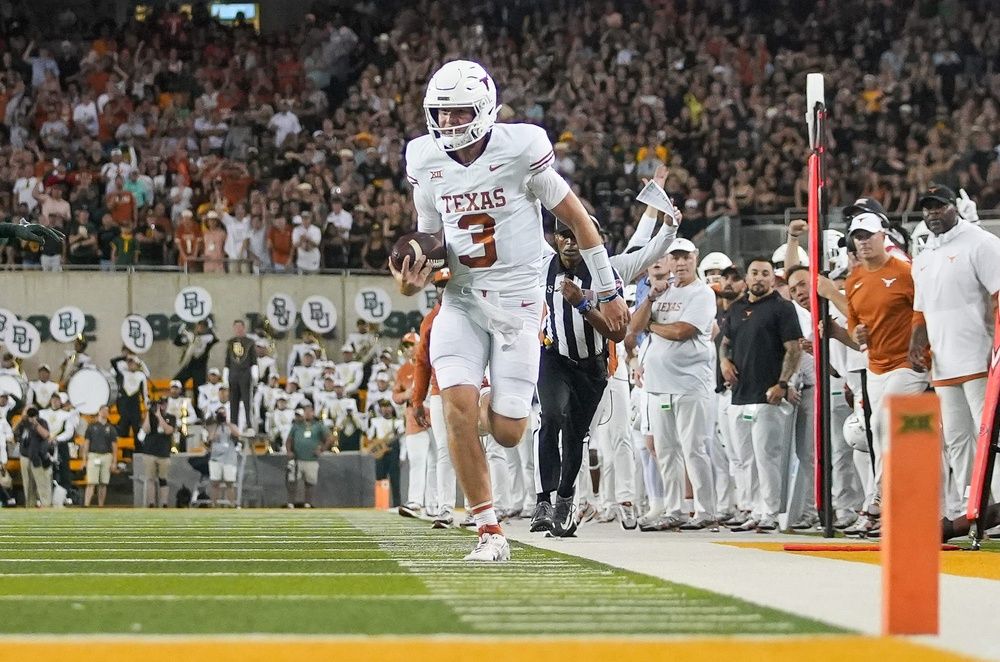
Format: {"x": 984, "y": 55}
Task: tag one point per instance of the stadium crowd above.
{"x": 177, "y": 140}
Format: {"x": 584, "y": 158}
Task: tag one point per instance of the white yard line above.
{"x": 843, "y": 593}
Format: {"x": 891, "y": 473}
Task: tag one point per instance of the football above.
{"x": 416, "y": 244}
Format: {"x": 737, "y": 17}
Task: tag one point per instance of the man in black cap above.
{"x": 241, "y": 366}
{"x": 956, "y": 281}
{"x": 895, "y": 232}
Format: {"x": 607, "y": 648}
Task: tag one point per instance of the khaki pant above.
{"x": 37, "y": 484}
{"x": 157, "y": 467}
{"x": 99, "y": 468}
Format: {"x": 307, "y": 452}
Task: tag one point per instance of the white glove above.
{"x": 967, "y": 207}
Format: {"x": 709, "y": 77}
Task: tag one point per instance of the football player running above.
{"x": 483, "y": 184}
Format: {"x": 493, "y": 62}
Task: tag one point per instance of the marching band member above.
{"x": 40, "y": 390}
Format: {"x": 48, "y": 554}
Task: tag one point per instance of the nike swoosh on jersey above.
{"x": 525, "y": 304}
{"x": 496, "y": 167}
{"x": 857, "y": 285}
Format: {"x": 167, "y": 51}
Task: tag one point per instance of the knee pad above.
{"x": 510, "y": 406}
{"x": 163, "y": 482}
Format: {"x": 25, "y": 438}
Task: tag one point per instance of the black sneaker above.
{"x": 541, "y": 519}
{"x": 563, "y": 522}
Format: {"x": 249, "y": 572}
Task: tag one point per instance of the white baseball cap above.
{"x": 680, "y": 244}
{"x": 866, "y": 221}
{"x": 176, "y": 383}
{"x": 215, "y": 371}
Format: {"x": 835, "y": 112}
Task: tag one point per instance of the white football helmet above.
{"x": 461, "y": 84}
{"x": 713, "y": 261}
{"x": 835, "y": 253}
{"x": 918, "y": 238}
{"x": 779, "y": 256}
{"x": 855, "y": 432}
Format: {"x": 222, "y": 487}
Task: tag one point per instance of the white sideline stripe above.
{"x": 208, "y": 598}
{"x": 172, "y": 560}
{"x": 188, "y": 549}
{"x": 247, "y": 575}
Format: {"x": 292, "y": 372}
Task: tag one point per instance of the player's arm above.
{"x": 414, "y": 276}
{"x": 572, "y": 212}
{"x": 554, "y": 193}
{"x": 574, "y": 295}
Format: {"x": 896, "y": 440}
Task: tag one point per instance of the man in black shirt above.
{"x": 241, "y": 365}
{"x": 105, "y": 237}
{"x": 100, "y": 448}
{"x": 158, "y": 427}
{"x": 32, "y": 436}
{"x": 760, "y": 353}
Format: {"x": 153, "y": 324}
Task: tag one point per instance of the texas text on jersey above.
{"x": 489, "y": 209}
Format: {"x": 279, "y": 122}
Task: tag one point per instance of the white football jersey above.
{"x": 491, "y": 218}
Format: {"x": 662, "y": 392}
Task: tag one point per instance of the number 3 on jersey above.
{"x": 484, "y": 238}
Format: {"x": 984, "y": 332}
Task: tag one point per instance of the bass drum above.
{"x": 14, "y": 386}
{"x": 89, "y": 389}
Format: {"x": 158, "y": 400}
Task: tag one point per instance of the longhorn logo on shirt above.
{"x": 465, "y": 202}
{"x": 888, "y": 281}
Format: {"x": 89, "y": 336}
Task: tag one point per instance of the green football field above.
{"x": 329, "y": 572}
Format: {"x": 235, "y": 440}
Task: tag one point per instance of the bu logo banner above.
{"x": 319, "y": 314}
{"x": 281, "y": 312}
{"x": 193, "y": 304}
{"x": 7, "y": 318}
{"x": 24, "y": 340}
{"x": 66, "y": 324}
{"x": 373, "y": 304}
{"x": 137, "y": 334}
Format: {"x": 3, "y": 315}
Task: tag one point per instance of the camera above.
{"x": 220, "y": 417}
{"x": 32, "y": 413}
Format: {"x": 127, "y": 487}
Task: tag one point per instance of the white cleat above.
{"x": 492, "y": 547}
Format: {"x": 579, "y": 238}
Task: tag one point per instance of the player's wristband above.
{"x": 599, "y": 265}
{"x": 584, "y": 307}
{"x": 608, "y": 297}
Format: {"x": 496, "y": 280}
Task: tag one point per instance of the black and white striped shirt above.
{"x": 566, "y": 330}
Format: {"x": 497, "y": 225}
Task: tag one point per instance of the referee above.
{"x": 571, "y": 381}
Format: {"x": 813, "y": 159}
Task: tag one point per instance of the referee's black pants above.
{"x": 569, "y": 393}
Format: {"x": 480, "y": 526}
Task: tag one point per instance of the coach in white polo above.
{"x": 679, "y": 376}
{"x": 956, "y": 278}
